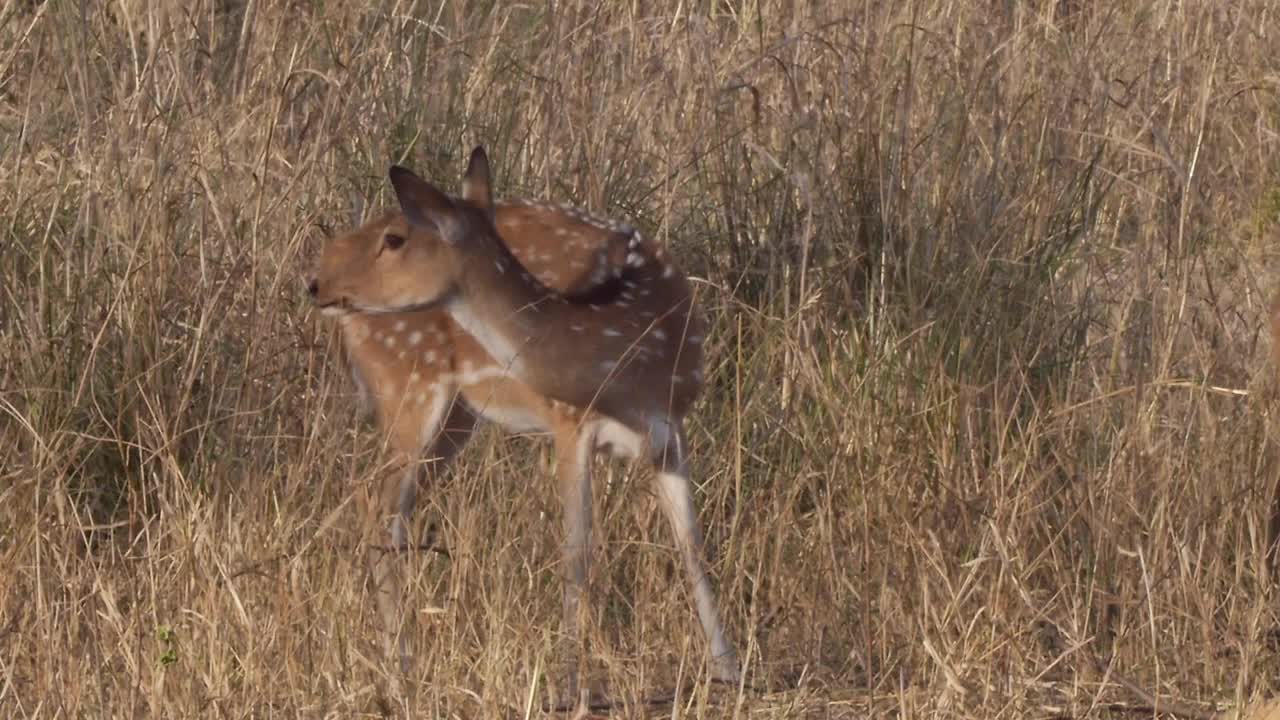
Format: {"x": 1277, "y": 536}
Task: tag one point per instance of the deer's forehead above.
{"x": 394, "y": 223}
{"x": 353, "y": 240}
{"x": 366, "y": 236}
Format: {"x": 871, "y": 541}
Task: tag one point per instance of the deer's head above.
{"x": 410, "y": 262}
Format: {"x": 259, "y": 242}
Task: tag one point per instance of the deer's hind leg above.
{"x": 428, "y": 441}
{"x": 671, "y": 480}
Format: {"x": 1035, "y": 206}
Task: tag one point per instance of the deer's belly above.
{"x": 512, "y": 418}
{"x": 507, "y": 403}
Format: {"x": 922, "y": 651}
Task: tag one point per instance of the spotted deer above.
{"x": 536, "y": 317}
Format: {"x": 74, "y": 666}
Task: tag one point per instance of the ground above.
{"x": 987, "y": 430}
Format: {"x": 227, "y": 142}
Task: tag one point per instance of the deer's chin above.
{"x": 405, "y": 306}
{"x": 334, "y": 311}
{"x": 401, "y": 307}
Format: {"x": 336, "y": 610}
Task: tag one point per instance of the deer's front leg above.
{"x": 575, "y": 445}
{"x": 388, "y": 508}
{"x": 429, "y": 439}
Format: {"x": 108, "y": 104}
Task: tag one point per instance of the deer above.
{"x": 538, "y": 318}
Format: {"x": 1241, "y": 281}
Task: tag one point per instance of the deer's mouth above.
{"x": 331, "y": 308}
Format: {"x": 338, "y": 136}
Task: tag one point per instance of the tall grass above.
{"x": 987, "y": 424}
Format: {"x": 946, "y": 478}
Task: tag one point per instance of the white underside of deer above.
{"x": 567, "y": 325}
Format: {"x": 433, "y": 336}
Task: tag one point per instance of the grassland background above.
{"x": 988, "y": 410}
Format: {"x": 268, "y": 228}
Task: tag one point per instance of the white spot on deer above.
{"x": 561, "y": 232}
{"x": 399, "y": 326}
{"x": 414, "y": 377}
{"x": 576, "y": 327}
{"x": 390, "y": 341}
{"x": 415, "y": 337}
{"x": 429, "y": 357}
{"x": 659, "y": 334}
{"x": 610, "y": 332}
{"x": 694, "y": 339}
{"x": 608, "y": 365}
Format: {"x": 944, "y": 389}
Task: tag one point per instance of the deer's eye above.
{"x": 393, "y": 241}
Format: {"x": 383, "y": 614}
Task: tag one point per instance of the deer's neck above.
{"x": 504, "y": 308}
{"x": 559, "y": 347}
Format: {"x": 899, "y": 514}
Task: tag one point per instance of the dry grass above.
{"x": 987, "y": 422}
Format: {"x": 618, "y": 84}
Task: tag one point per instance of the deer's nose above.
{"x": 313, "y": 287}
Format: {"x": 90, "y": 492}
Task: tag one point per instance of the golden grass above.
{"x": 987, "y": 418}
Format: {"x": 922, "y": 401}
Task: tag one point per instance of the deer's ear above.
{"x": 425, "y": 206}
{"x": 477, "y": 183}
